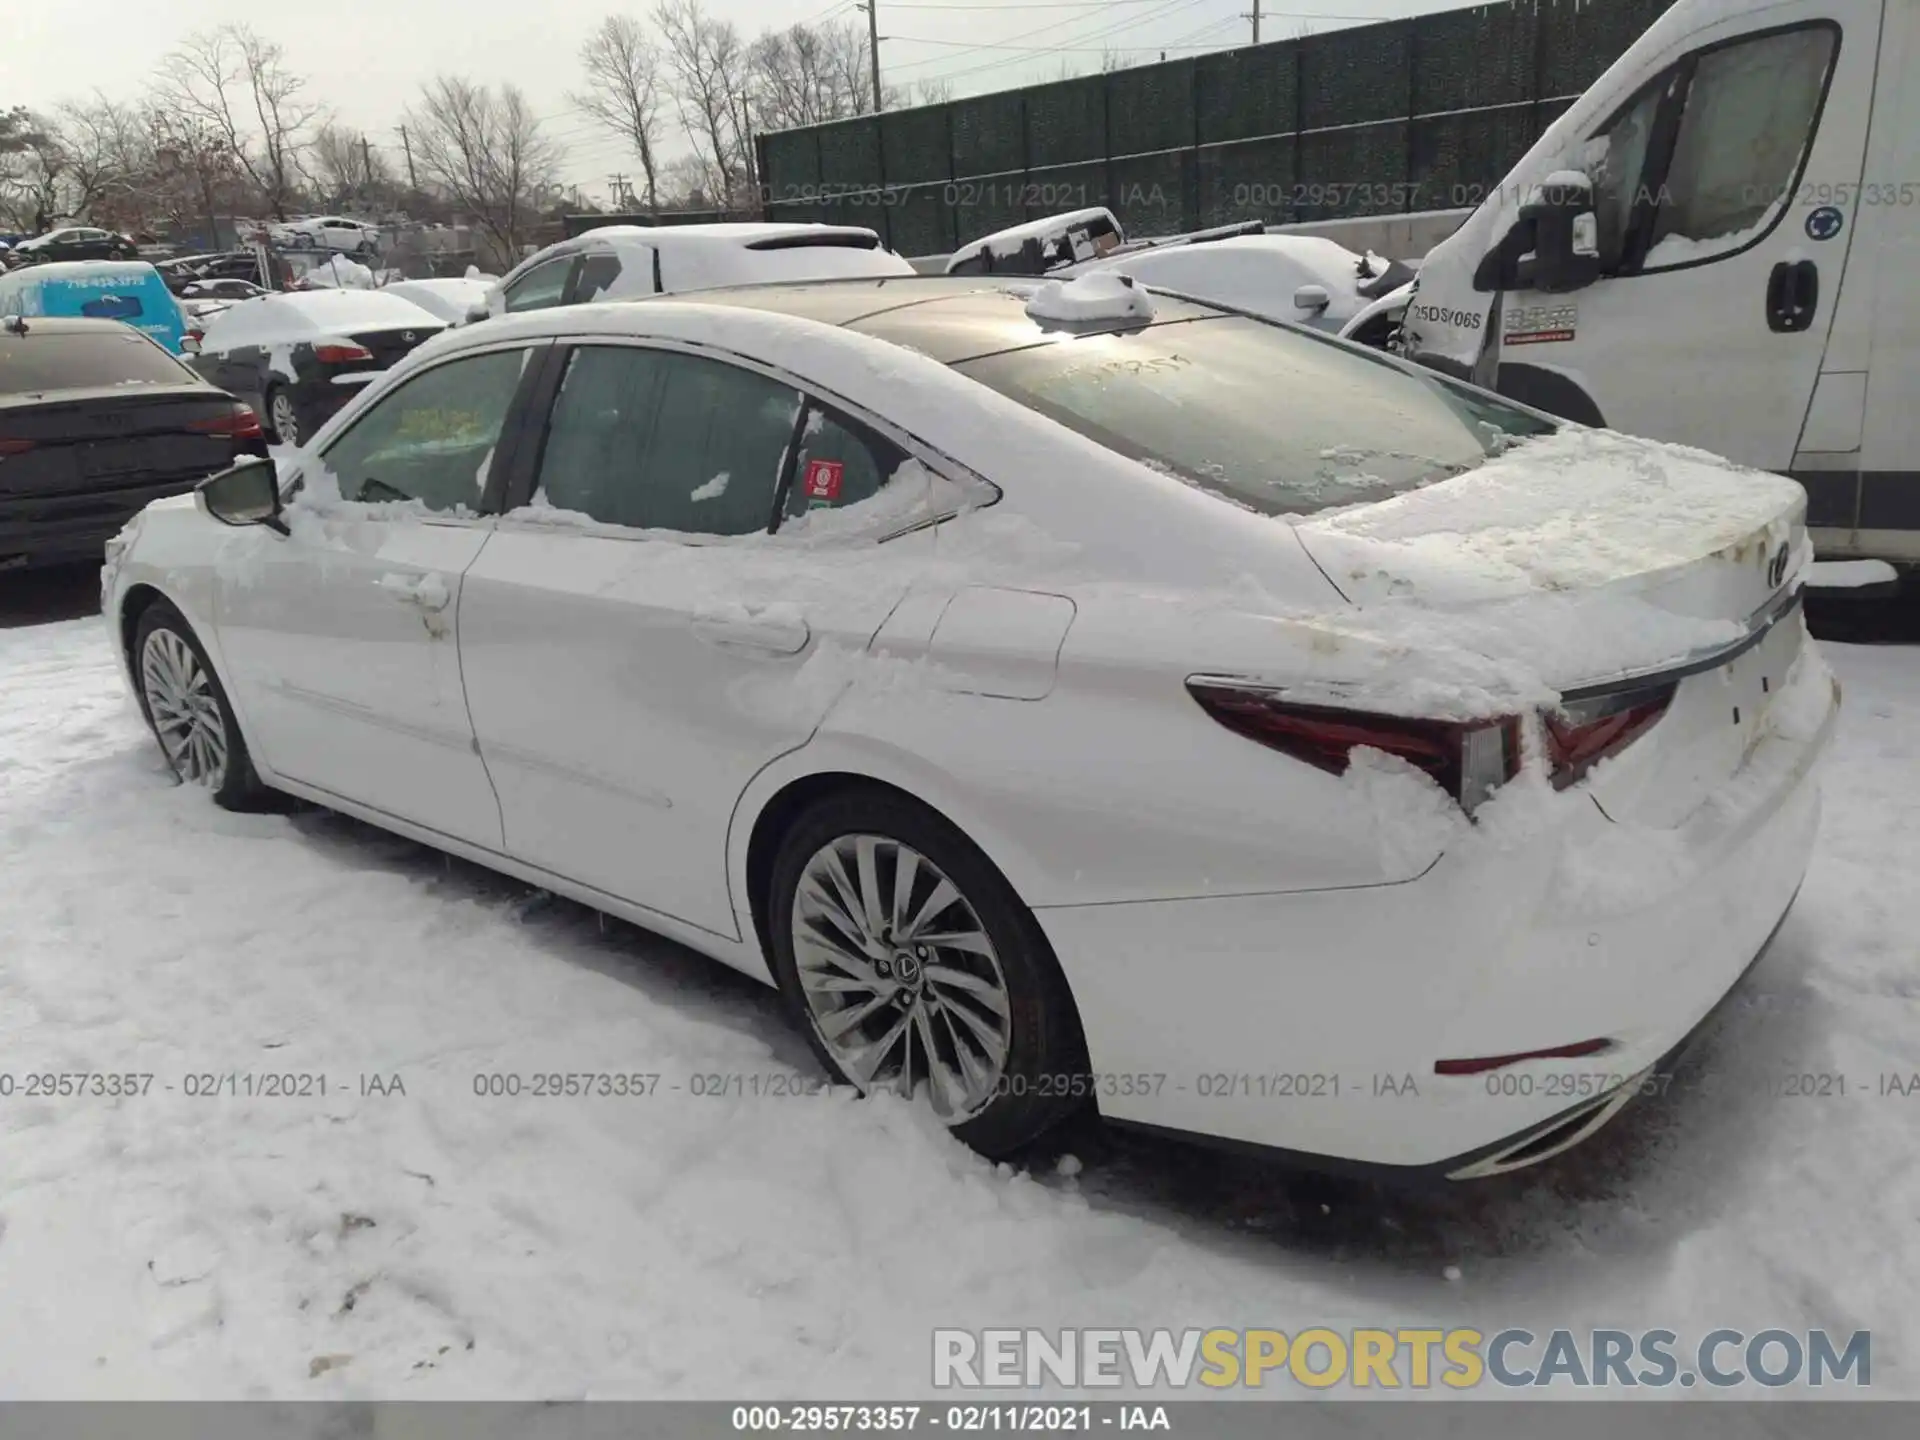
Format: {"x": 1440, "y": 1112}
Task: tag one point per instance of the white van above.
{"x": 1719, "y": 245}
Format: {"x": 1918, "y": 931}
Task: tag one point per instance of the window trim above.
{"x": 1665, "y": 136}
{"x": 521, "y": 483}
{"x": 505, "y": 448}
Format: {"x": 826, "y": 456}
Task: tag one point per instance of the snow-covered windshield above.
{"x": 1267, "y": 418}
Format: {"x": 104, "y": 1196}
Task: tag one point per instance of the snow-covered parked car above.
{"x": 299, "y": 357}
{"x": 452, "y": 299}
{"x": 622, "y": 262}
{"x": 1304, "y": 279}
{"x": 1065, "y": 694}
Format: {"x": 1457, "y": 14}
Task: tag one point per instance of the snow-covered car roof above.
{"x": 699, "y": 257}
{"x": 451, "y": 298}
{"x": 301, "y": 315}
{"x": 1255, "y": 273}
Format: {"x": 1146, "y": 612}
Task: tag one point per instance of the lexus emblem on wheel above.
{"x": 1777, "y": 568}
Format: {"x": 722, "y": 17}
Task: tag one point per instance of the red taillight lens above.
{"x": 1469, "y": 760}
{"x": 341, "y": 353}
{"x": 1500, "y": 1062}
{"x": 1582, "y": 733}
{"x": 14, "y": 447}
{"x": 239, "y": 422}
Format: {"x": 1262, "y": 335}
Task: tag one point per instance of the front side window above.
{"x": 1705, "y": 158}
{"x": 541, "y": 287}
{"x": 1747, "y": 126}
{"x": 660, "y": 440}
{"x": 1261, "y": 416}
{"x": 432, "y": 439}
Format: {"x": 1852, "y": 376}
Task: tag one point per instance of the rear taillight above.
{"x": 341, "y": 353}
{"x": 239, "y": 422}
{"x": 1582, "y": 733}
{"x": 9, "y": 446}
{"x": 1470, "y": 760}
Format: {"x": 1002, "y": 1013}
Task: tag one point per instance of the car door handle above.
{"x": 1793, "y": 296}
{"x": 768, "y": 634}
{"x": 428, "y": 591}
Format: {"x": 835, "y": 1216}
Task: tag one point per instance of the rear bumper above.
{"x": 1310, "y": 1023}
{"x": 64, "y": 529}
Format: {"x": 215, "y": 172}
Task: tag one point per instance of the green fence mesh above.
{"x": 1421, "y": 114}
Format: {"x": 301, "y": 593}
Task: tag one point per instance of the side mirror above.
{"x": 1312, "y": 297}
{"x": 245, "y": 494}
{"x": 1553, "y": 245}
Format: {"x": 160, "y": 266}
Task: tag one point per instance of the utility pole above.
{"x": 366, "y": 165}
{"x": 872, "y": 7}
{"x": 617, "y": 184}
{"x": 413, "y": 180}
{"x": 1255, "y": 18}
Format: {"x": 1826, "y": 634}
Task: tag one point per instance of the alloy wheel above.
{"x": 286, "y": 420}
{"x": 901, "y": 981}
{"x": 186, "y": 714}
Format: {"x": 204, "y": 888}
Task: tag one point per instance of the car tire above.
{"x": 187, "y": 709}
{"x": 284, "y": 421}
{"x": 993, "y": 1015}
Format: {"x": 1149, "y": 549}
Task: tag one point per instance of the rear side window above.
{"x": 655, "y": 439}
{"x": 113, "y": 307}
{"x": 47, "y": 361}
{"x": 1271, "y": 419}
{"x": 841, "y": 463}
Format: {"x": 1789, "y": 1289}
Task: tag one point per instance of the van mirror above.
{"x": 245, "y": 494}
{"x": 1553, "y": 246}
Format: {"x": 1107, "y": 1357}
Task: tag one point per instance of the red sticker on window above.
{"x": 823, "y": 479}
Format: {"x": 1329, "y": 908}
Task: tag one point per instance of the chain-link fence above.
{"x": 1422, "y": 114}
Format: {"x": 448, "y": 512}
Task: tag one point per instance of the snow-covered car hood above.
{"x": 1580, "y": 515}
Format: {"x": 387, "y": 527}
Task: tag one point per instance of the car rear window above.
{"x": 75, "y": 361}
{"x": 1265, "y": 417}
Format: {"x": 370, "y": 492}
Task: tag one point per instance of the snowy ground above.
{"x": 438, "y": 1244}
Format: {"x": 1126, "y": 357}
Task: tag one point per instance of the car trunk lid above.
{"x": 108, "y": 437}
{"x": 1601, "y": 564}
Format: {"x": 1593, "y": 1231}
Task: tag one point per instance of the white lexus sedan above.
{"x": 1066, "y": 695}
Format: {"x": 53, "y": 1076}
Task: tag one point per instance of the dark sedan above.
{"x": 95, "y": 421}
{"x": 298, "y": 357}
{"x": 75, "y": 242}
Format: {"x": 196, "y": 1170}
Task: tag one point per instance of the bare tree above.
{"x": 109, "y": 152}
{"x": 809, "y": 74}
{"x": 708, "y": 76}
{"x": 348, "y": 167}
{"x": 238, "y": 84}
{"x": 936, "y": 91}
{"x": 486, "y": 148}
{"x": 623, "y": 91}
{"x": 194, "y": 168}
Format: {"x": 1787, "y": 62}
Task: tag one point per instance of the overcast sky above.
{"x": 367, "y": 58}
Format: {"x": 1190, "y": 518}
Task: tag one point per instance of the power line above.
{"x": 1163, "y": 8}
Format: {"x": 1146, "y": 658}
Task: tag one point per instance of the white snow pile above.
{"x": 1098, "y": 295}
{"x": 338, "y": 273}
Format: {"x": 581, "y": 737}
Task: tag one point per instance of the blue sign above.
{"x": 1826, "y": 222}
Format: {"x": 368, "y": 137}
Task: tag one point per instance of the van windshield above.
{"x": 1265, "y": 417}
